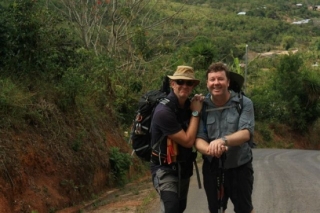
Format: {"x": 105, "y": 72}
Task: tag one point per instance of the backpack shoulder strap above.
{"x": 252, "y": 144}
{"x": 164, "y": 101}
{"x": 240, "y": 104}
{"x": 204, "y": 116}
{"x": 170, "y": 104}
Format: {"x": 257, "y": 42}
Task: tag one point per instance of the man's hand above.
{"x": 196, "y": 102}
{"x": 216, "y": 148}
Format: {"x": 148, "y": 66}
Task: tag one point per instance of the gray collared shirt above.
{"x": 226, "y": 121}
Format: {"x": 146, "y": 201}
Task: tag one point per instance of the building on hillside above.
{"x": 305, "y": 21}
{"x": 299, "y": 5}
{"x": 241, "y": 13}
{"x": 316, "y": 7}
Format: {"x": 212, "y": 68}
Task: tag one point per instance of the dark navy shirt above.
{"x": 168, "y": 121}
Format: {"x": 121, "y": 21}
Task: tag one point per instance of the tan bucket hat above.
{"x": 184, "y": 73}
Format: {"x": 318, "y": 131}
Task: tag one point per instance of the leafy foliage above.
{"x": 292, "y": 97}
{"x": 79, "y": 72}
{"x": 199, "y": 53}
{"x": 32, "y": 47}
{"x": 120, "y": 164}
{"x": 288, "y": 42}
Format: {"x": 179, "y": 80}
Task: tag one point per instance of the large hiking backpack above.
{"x": 140, "y": 137}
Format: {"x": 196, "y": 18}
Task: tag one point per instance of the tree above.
{"x": 88, "y": 15}
{"x": 299, "y": 92}
{"x": 118, "y": 28}
{"x": 201, "y": 53}
{"x": 34, "y": 42}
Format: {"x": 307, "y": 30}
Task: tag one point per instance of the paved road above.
{"x": 286, "y": 181}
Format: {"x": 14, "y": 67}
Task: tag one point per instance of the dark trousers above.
{"x": 238, "y": 186}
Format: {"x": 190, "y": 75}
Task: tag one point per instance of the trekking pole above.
{"x": 197, "y": 172}
{"x": 220, "y": 182}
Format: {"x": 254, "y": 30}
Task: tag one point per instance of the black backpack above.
{"x": 140, "y": 137}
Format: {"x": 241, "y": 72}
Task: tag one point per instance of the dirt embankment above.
{"x": 46, "y": 172}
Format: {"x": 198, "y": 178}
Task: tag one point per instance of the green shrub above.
{"x": 13, "y": 103}
{"x": 120, "y": 164}
{"x": 266, "y": 134}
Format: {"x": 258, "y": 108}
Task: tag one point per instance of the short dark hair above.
{"x": 217, "y": 67}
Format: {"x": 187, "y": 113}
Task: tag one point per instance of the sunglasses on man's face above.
{"x": 182, "y": 82}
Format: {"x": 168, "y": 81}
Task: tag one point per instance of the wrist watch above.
{"x": 225, "y": 140}
{"x": 195, "y": 114}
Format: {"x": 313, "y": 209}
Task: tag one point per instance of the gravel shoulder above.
{"x": 136, "y": 197}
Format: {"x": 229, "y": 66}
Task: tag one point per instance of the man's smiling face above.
{"x": 218, "y": 83}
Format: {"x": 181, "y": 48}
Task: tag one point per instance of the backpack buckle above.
{"x": 138, "y": 129}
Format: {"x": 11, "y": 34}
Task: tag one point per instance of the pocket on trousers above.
{"x": 165, "y": 180}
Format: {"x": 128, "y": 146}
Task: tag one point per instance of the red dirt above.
{"x": 43, "y": 175}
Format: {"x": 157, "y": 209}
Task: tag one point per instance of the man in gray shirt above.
{"x": 223, "y": 138}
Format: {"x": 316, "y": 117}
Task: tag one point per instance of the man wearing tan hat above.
{"x": 174, "y": 127}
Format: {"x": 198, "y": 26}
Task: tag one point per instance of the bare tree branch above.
{"x": 110, "y": 26}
